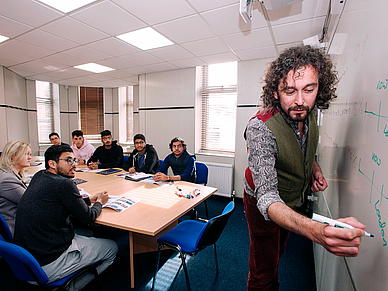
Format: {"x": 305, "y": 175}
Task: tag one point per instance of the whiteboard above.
{"x": 353, "y": 148}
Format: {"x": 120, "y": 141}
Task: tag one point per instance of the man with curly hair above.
{"x": 282, "y": 139}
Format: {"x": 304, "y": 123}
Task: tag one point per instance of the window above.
{"x": 91, "y": 110}
{"x": 126, "y": 114}
{"x": 218, "y": 101}
{"x": 47, "y": 97}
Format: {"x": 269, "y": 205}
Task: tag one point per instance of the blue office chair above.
{"x": 26, "y": 268}
{"x": 125, "y": 158}
{"x": 202, "y": 174}
{"x": 5, "y": 232}
{"x": 191, "y": 236}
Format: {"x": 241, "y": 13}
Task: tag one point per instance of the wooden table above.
{"x": 156, "y": 213}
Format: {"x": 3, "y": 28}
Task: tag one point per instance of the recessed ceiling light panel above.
{"x": 67, "y": 5}
{"x": 95, "y": 68}
{"x": 145, "y": 39}
{"x": 3, "y": 38}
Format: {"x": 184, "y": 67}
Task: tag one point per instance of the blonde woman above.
{"x": 16, "y": 155}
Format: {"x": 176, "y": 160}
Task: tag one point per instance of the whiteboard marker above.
{"x": 335, "y": 223}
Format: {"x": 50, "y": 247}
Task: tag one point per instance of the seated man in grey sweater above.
{"x": 43, "y": 226}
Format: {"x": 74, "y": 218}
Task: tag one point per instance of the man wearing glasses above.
{"x": 109, "y": 155}
{"x": 144, "y": 157}
{"x": 43, "y": 225}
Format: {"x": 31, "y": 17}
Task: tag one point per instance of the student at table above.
{"x": 55, "y": 139}
{"x": 109, "y": 155}
{"x": 15, "y": 157}
{"x": 82, "y": 149}
{"x": 144, "y": 157}
{"x": 180, "y": 161}
{"x": 43, "y": 225}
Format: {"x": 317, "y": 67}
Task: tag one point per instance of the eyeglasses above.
{"x": 107, "y": 138}
{"x": 70, "y": 161}
{"x": 139, "y": 142}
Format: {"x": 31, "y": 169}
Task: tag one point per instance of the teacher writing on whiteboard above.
{"x": 281, "y": 140}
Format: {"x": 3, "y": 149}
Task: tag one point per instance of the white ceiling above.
{"x": 45, "y": 43}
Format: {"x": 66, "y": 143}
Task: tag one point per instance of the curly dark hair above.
{"x": 295, "y": 58}
{"x": 175, "y": 139}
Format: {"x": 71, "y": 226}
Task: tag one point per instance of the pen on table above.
{"x": 335, "y": 223}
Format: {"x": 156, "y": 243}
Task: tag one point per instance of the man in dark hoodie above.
{"x": 144, "y": 157}
{"x": 180, "y": 161}
{"x": 109, "y": 155}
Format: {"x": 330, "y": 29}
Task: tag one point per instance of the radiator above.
{"x": 221, "y": 177}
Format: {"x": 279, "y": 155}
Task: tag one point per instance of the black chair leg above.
{"x": 207, "y": 214}
{"x": 186, "y": 273}
{"x": 215, "y": 256}
{"x": 156, "y": 267}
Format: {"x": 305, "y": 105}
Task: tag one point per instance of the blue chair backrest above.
{"x": 125, "y": 158}
{"x": 214, "y": 227}
{"x": 21, "y": 261}
{"x": 202, "y": 172}
{"x": 5, "y": 232}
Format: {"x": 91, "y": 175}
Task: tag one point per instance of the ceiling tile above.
{"x": 134, "y": 79}
{"x": 117, "y": 74}
{"x": 216, "y": 18}
{"x": 109, "y": 18}
{"x": 138, "y": 70}
{"x": 74, "y": 30}
{"x": 44, "y": 77}
{"x": 247, "y": 40}
{"x": 299, "y": 11}
{"x": 141, "y": 59}
{"x": 25, "y": 49}
{"x": 116, "y": 63}
{"x": 22, "y": 73}
{"x": 66, "y": 73}
{"x": 65, "y": 59}
{"x": 14, "y": 57}
{"x": 188, "y": 63}
{"x": 201, "y": 5}
{"x": 257, "y": 53}
{"x": 39, "y": 66}
{"x": 169, "y": 53}
{"x": 161, "y": 67}
{"x": 156, "y": 11}
{"x": 220, "y": 58}
{"x": 297, "y": 31}
{"x": 6, "y": 62}
{"x": 78, "y": 81}
{"x": 87, "y": 54}
{"x": 113, "y": 46}
{"x": 11, "y": 28}
{"x": 185, "y": 29}
{"x": 47, "y": 40}
{"x": 206, "y": 47}
{"x": 26, "y": 11}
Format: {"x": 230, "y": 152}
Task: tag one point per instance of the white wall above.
{"x": 166, "y": 108}
{"x": 18, "y": 110}
{"x": 249, "y": 88}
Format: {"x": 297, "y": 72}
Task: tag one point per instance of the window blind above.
{"x": 218, "y": 112}
{"x": 91, "y": 110}
{"x": 45, "y": 110}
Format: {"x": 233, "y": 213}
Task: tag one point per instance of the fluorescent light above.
{"x": 3, "y": 38}
{"x": 95, "y": 68}
{"x": 67, "y": 5}
{"x": 145, "y": 39}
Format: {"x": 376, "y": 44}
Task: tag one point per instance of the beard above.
{"x": 298, "y": 116}
{"x": 66, "y": 174}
